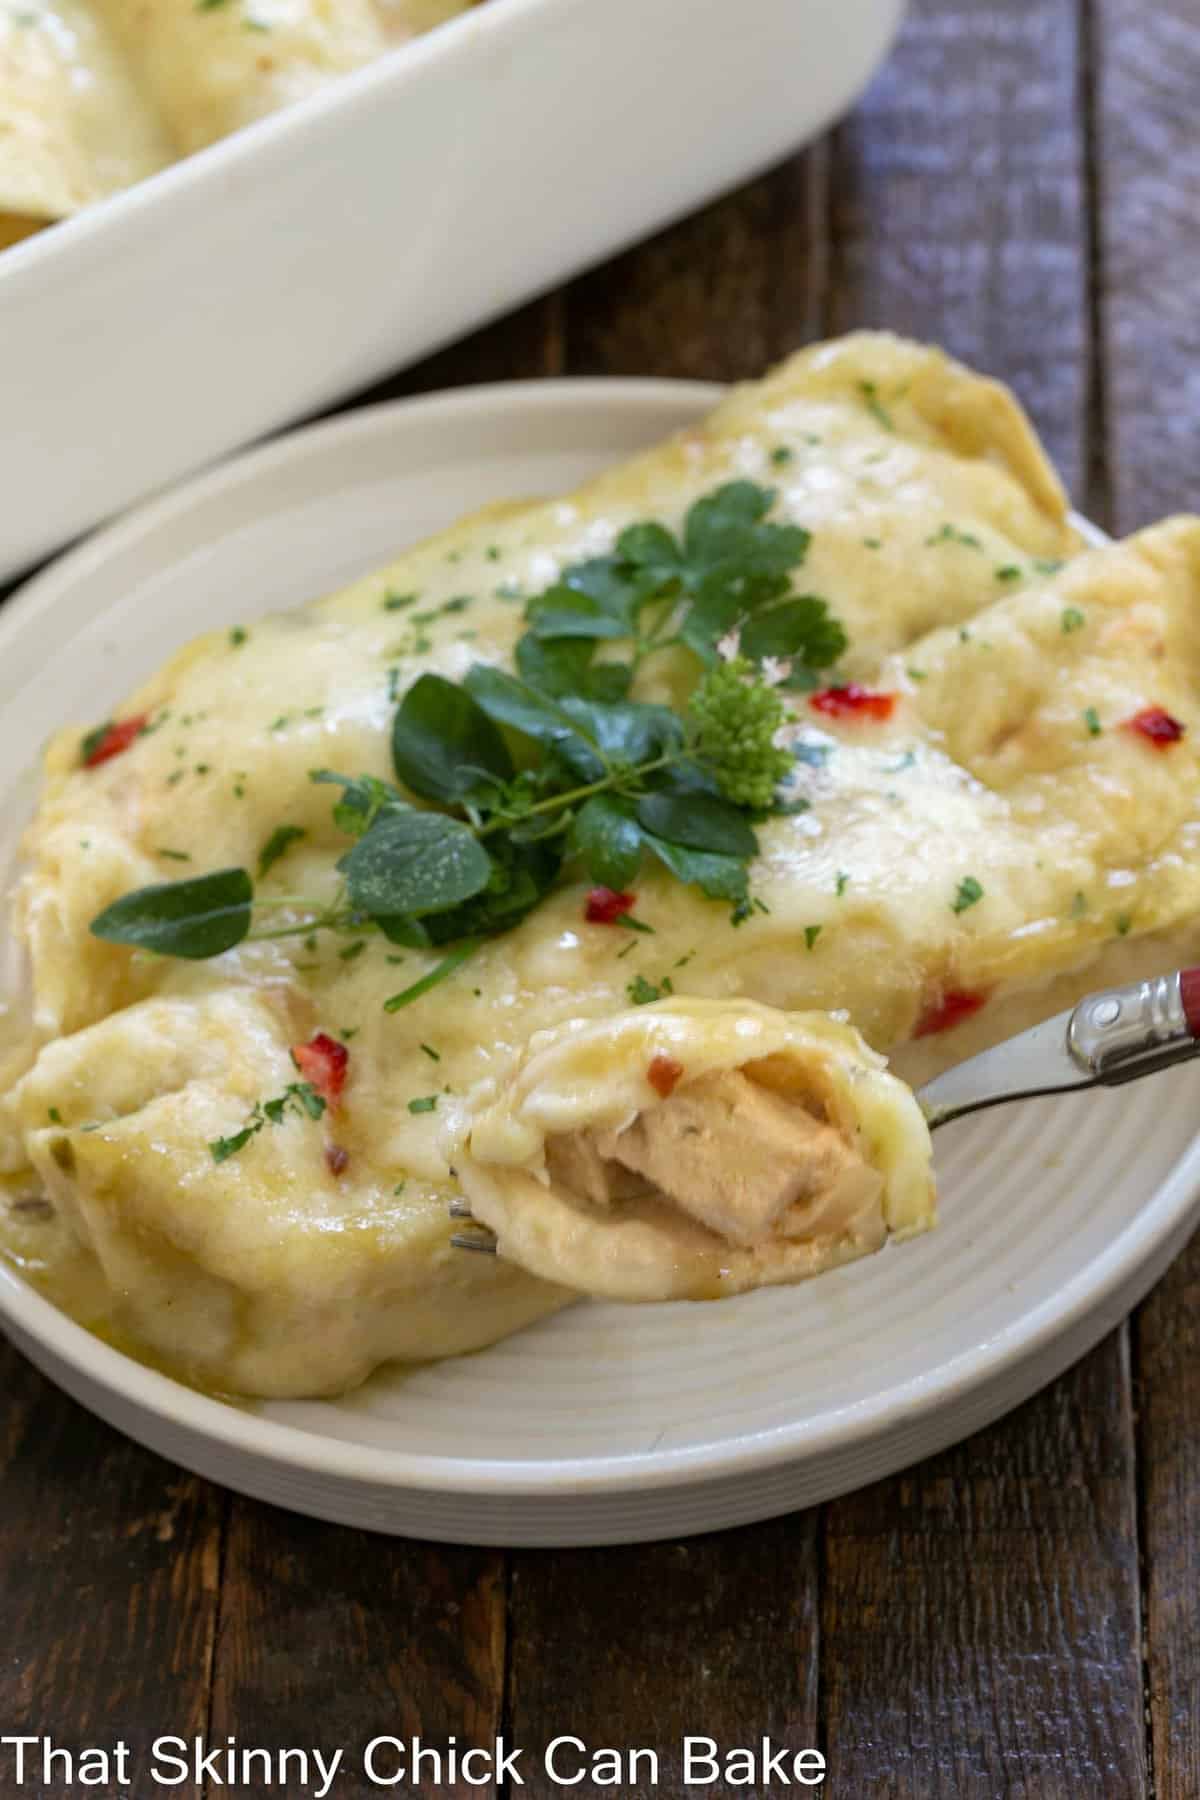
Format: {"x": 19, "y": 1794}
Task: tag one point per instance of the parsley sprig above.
{"x": 555, "y": 767}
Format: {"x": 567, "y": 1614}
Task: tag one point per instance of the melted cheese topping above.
{"x": 73, "y": 126}
{"x": 97, "y": 94}
{"x": 276, "y": 1273}
{"x": 213, "y": 69}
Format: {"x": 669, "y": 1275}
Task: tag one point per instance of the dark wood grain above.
{"x": 109, "y": 1564}
{"x": 980, "y": 1627}
{"x": 1145, "y": 79}
{"x": 959, "y": 203}
{"x": 330, "y": 1638}
{"x": 720, "y": 296}
{"x": 520, "y": 347}
{"x": 716, "y": 1637}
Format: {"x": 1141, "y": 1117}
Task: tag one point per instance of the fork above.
{"x": 1107, "y": 1039}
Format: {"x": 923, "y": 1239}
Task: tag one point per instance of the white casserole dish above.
{"x": 309, "y": 254}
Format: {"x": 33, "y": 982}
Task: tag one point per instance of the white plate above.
{"x": 604, "y": 1424}
{"x": 407, "y": 202}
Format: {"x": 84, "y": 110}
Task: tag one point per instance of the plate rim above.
{"x": 247, "y": 1432}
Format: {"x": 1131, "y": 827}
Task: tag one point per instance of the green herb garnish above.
{"x": 555, "y": 769}
{"x": 875, "y": 406}
{"x": 953, "y": 534}
{"x": 969, "y": 892}
{"x": 298, "y": 1097}
{"x": 278, "y": 844}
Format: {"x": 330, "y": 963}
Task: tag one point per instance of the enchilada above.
{"x": 898, "y": 522}
{"x": 95, "y": 95}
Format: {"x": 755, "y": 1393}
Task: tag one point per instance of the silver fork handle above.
{"x": 1111, "y": 1037}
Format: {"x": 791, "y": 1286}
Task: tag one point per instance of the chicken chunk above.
{"x": 732, "y": 1154}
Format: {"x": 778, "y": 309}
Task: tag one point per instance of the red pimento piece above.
{"x": 1157, "y": 726}
{"x": 955, "y": 1005}
{"x": 1189, "y": 987}
{"x": 322, "y": 1062}
{"x": 853, "y": 701}
{"x": 112, "y": 738}
{"x": 663, "y": 1074}
{"x": 604, "y": 906}
{"x": 336, "y": 1159}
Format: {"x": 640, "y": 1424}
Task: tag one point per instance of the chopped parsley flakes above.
{"x": 642, "y": 992}
{"x": 278, "y": 844}
{"x": 968, "y": 893}
{"x": 299, "y": 1097}
{"x": 953, "y": 534}
{"x": 875, "y": 406}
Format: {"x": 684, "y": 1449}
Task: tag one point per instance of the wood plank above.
{"x": 1147, "y": 76}
{"x": 717, "y": 1636}
{"x": 330, "y": 1638}
{"x": 980, "y": 1625}
{"x": 959, "y": 200}
{"x": 109, "y": 1564}
{"x": 1148, "y": 156}
{"x": 717, "y": 297}
{"x": 519, "y": 347}
{"x": 636, "y": 1648}
{"x": 980, "y": 1620}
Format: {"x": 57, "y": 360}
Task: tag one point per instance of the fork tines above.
{"x": 482, "y": 1239}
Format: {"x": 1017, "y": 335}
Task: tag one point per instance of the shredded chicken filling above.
{"x": 732, "y": 1155}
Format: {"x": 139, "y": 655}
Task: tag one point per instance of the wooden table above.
{"x": 1018, "y": 1617}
